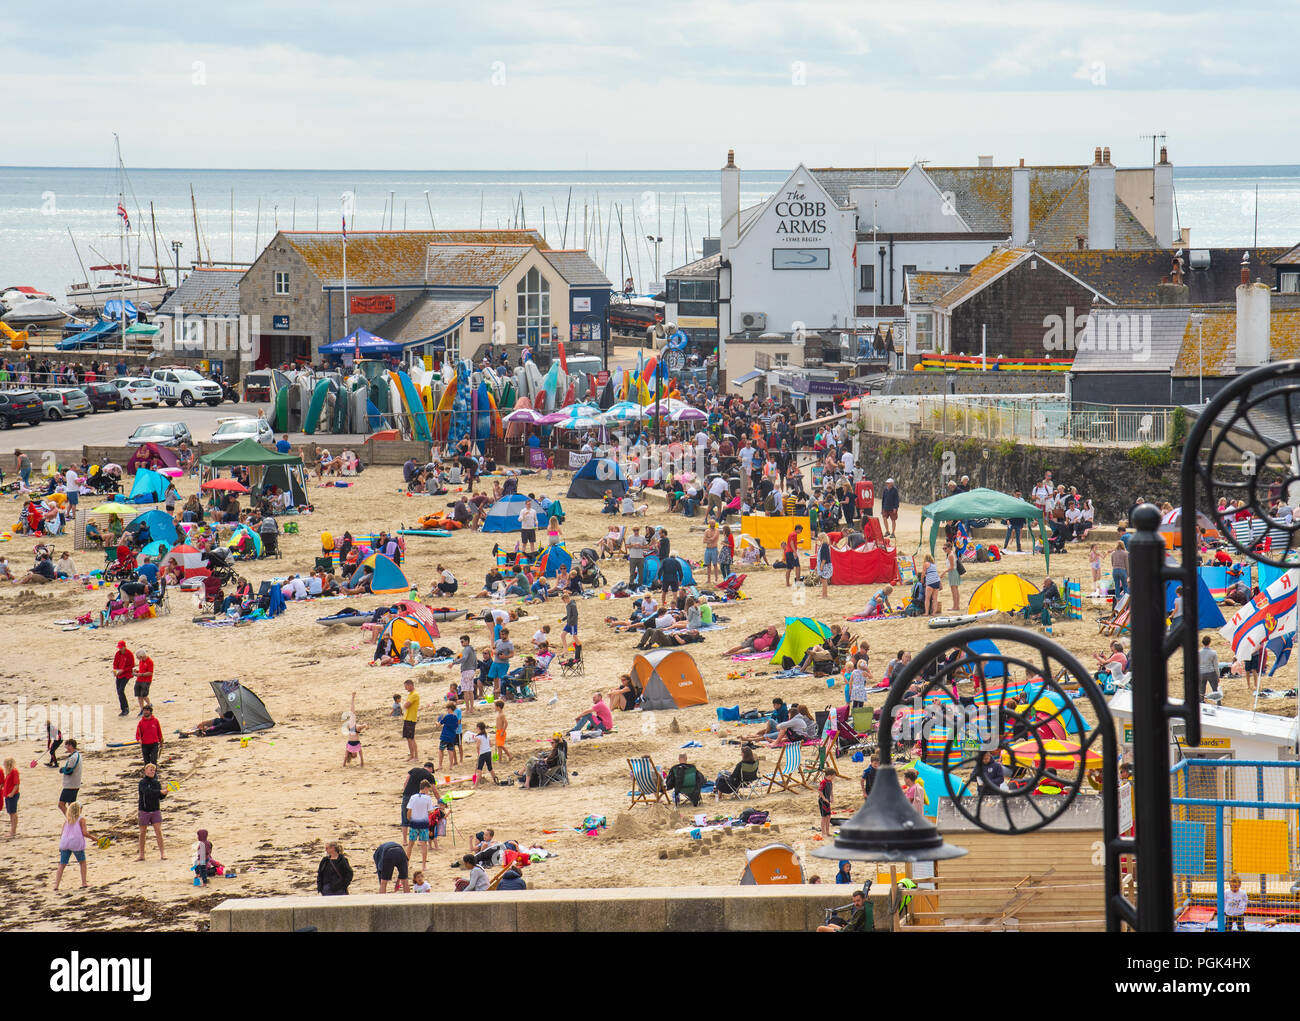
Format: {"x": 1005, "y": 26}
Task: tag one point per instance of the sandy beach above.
{"x": 269, "y": 807}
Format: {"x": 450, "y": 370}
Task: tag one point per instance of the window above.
{"x": 696, "y": 298}
{"x": 866, "y": 277}
{"x": 453, "y": 346}
{"x": 908, "y": 269}
{"x": 780, "y": 359}
{"x": 533, "y": 310}
{"x": 670, "y": 294}
{"x": 1289, "y": 283}
{"x": 281, "y": 282}
{"x": 925, "y": 331}
{"x": 965, "y": 267}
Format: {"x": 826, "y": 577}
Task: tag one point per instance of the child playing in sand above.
{"x": 504, "y": 755}
{"x": 352, "y": 732}
{"x": 397, "y": 707}
{"x": 484, "y": 761}
{"x": 202, "y": 856}
{"x": 72, "y": 842}
{"x": 418, "y": 885}
{"x": 878, "y": 605}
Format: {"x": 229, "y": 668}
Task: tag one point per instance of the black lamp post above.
{"x": 1233, "y": 451}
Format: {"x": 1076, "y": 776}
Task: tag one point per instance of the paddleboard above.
{"x": 375, "y": 416}
{"x": 439, "y": 532}
{"x": 957, "y": 621}
{"x": 293, "y": 419}
{"x": 314, "y": 408}
{"x": 282, "y": 410}
{"x": 414, "y": 407}
{"x": 342, "y": 407}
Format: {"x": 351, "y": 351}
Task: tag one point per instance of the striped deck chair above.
{"x": 822, "y": 763}
{"x": 788, "y": 774}
{"x": 1073, "y": 600}
{"x": 1250, "y": 532}
{"x": 1106, "y": 623}
{"x": 648, "y": 785}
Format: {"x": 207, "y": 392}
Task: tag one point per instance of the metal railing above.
{"x": 1032, "y": 421}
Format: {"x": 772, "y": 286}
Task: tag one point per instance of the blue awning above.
{"x": 361, "y": 340}
{"x": 747, "y": 377}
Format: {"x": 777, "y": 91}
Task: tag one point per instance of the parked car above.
{"x": 17, "y": 406}
{"x": 137, "y": 392}
{"x": 165, "y": 434}
{"x": 257, "y": 386}
{"x": 65, "y": 402}
{"x": 245, "y": 427}
{"x": 187, "y": 387}
{"x": 103, "y": 396}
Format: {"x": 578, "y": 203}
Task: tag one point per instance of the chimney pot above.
{"x": 1022, "y": 161}
{"x": 1105, "y": 155}
{"x": 1164, "y": 154}
{"x": 731, "y": 157}
{"x": 1096, "y": 156}
{"x": 1079, "y": 240}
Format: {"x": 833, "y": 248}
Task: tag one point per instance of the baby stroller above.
{"x": 730, "y": 585}
{"x": 589, "y": 568}
{"x": 218, "y": 561}
{"x": 105, "y": 482}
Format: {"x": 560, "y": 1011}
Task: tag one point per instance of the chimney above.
{"x": 730, "y": 204}
{"x": 1019, "y": 205}
{"x": 1081, "y": 240}
{"x": 1096, "y": 156}
{"x": 1164, "y": 201}
{"x": 1101, "y": 202}
{"x": 1253, "y": 308}
{"x": 985, "y": 161}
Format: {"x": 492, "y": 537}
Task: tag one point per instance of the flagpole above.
{"x": 346, "y": 331}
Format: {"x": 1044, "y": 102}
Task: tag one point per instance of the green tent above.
{"x": 246, "y": 452}
{"x": 801, "y": 634}
{"x": 981, "y": 503}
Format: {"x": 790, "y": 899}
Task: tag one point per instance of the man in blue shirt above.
{"x": 148, "y": 571}
{"x": 447, "y": 742}
{"x": 282, "y": 444}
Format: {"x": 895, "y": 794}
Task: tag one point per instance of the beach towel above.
{"x": 745, "y": 657}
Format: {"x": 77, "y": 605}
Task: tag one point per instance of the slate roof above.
{"x": 1058, "y": 200}
{"x": 454, "y": 265}
{"x": 924, "y": 288}
{"x": 1291, "y": 257}
{"x": 1216, "y": 354}
{"x": 206, "y": 291}
{"x": 700, "y": 269}
{"x": 387, "y": 258}
{"x": 576, "y": 267}
{"x": 1133, "y": 277}
{"x": 427, "y": 317}
{"x": 1167, "y": 326}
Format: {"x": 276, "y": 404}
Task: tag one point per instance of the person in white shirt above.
{"x": 1072, "y": 518}
{"x": 528, "y": 527}
{"x": 1040, "y": 494}
{"x": 719, "y": 490}
{"x": 419, "y": 811}
{"x": 847, "y": 461}
{"x": 484, "y": 761}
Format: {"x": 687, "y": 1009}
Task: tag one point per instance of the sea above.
{"x": 55, "y": 222}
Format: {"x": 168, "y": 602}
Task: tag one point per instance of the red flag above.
{"x": 564, "y": 361}
{"x": 855, "y": 256}
{"x": 121, "y": 211}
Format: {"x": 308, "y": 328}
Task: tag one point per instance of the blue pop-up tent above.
{"x": 363, "y": 341}
{"x": 503, "y": 516}
{"x": 652, "y": 570}
{"x": 1207, "y": 610}
{"x": 150, "y": 487}
{"x": 160, "y": 524}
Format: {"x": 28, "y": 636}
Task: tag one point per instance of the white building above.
{"x": 829, "y": 251}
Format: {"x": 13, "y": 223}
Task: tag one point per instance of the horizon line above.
{"x": 577, "y": 170}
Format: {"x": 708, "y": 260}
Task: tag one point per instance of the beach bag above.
{"x": 961, "y": 568}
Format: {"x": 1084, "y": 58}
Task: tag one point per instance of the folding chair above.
{"x": 649, "y": 785}
{"x": 750, "y": 782}
{"x": 560, "y": 774}
{"x": 162, "y": 602}
{"x": 572, "y": 667}
{"x": 789, "y": 771}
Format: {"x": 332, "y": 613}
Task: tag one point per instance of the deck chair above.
{"x": 788, "y": 774}
{"x": 1116, "y": 622}
{"x": 823, "y": 763}
{"x": 648, "y": 785}
{"x": 560, "y": 774}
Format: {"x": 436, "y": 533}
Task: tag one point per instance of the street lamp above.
{"x": 176, "y": 257}
{"x": 656, "y": 241}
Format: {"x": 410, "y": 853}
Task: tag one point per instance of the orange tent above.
{"x": 773, "y": 865}
{"x": 669, "y": 679}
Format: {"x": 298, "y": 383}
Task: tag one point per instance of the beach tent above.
{"x": 1207, "y": 610}
{"x": 150, "y": 487}
{"x": 190, "y": 559}
{"x": 864, "y": 567}
{"x": 669, "y": 679}
{"x": 250, "y": 712}
{"x": 237, "y": 536}
{"x": 597, "y": 475}
{"x": 160, "y": 524}
{"x": 554, "y": 560}
{"x": 773, "y": 865}
{"x": 1005, "y": 592}
{"x": 801, "y": 634}
{"x": 422, "y": 613}
{"x": 155, "y": 549}
{"x": 980, "y": 503}
{"x": 286, "y": 478}
{"x": 503, "y": 516}
{"x": 246, "y": 452}
{"x": 408, "y": 628}
{"x": 150, "y": 455}
{"x": 985, "y": 647}
{"x": 387, "y": 579}
{"x": 652, "y": 570}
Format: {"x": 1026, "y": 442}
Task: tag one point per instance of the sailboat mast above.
{"x": 121, "y": 237}
{"x": 158, "y": 268}
{"x": 194, "y": 210}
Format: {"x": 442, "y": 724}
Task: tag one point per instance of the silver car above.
{"x": 245, "y": 427}
{"x": 164, "y": 434}
{"x": 65, "y": 402}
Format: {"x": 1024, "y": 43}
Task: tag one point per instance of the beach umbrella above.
{"x": 1053, "y": 754}
{"x": 115, "y": 508}
{"x": 581, "y": 422}
{"x": 231, "y": 485}
{"x": 171, "y": 473}
{"x": 688, "y": 414}
{"x": 524, "y": 416}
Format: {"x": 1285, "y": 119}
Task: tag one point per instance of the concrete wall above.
{"x": 635, "y": 909}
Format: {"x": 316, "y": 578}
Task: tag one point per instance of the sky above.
{"x": 616, "y": 85}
